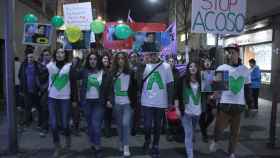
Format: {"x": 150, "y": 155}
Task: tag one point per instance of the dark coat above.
{"x": 103, "y": 91}
{"x": 132, "y": 89}
{"x": 23, "y": 78}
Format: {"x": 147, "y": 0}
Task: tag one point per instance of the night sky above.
{"x": 141, "y": 10}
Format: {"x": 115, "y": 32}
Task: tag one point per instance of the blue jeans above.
{"x": 94, "y": 111}
{"x": 59, "y": 112}
{"x": 123, "y": 116}
{"x": 152, "y": 119}
{"x": 189, "y": 123}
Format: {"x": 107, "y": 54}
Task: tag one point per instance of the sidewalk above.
{"x": 253, "y": 139}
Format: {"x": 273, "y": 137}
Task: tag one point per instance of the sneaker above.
{"x": 126, "y": 152}
{"x": 232, "y": 156}
{"x": 213, "y": 146}
{"x": 155, "y": 152}
{"x": 146, "y": 147}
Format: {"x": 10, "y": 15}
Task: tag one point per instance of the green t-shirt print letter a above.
{"x": 118, "y": 90}
{"x": 92, "y": 82}
{"x": 155, "y": 78}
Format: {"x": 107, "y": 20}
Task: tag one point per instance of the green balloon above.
{"x": 97, "y": 26}
{"x": 123, "y": 31}
{"x": 30, "y": 18}
{"x": 57, "y": 21}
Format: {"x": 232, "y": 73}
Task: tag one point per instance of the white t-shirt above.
{"x": 238, "y": 77}
{"x": 191, "y": 107}
{"x": 154, "y": 93}
{"x": 93, "y": 84}
{"x": 121, "y": 86}
{"x": 60, "y": 89}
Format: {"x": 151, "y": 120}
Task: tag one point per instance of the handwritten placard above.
{"x": 218, "y": 16}
{"x": 78, "y": 14}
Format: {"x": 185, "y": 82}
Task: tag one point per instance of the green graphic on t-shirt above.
{"x": 155, "y": 78}
{"x": 60, "y": 81}
{"x": 235, "y": 85}
{"x": 188, "y": 92}
{"x": 118, "y": 90}
{"x": 92, "y": 82}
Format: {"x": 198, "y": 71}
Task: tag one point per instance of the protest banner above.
{"x": 218, "y": 16}
{"x": 37, "y": 34}
{"x": 78, "y": 14}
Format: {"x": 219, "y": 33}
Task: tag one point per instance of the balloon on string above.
{"x": 73, "y": 33}
{"x": 123, "y": 31}
{"x": 30, "y": 18}
{"x": 57, "y": 21}
{"x": 97, "y": 26}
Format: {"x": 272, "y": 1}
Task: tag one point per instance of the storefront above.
{"x": 258, "y": 46}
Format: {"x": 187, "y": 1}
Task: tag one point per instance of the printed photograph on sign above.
{"x": 147, "y": 41}
{"x": 83, "y": 43}
{"x": 207, "y": 80}
{"x": 221, "y": 81}
{"x": 37, "y": 34}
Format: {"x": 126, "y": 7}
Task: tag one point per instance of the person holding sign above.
{"x": 62, "y": 90}
{"x": 157, "y": 95}
{"x": 233, "y": 101}
{"x": 191, "y": 94}
{"x": 94, "y": 94}
{"x": 124, "y": 94}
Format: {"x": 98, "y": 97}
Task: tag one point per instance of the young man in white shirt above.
{"x": 157, "y": 95}
{"x": 233, "y": 101}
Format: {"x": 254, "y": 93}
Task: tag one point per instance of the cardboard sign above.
{"x": 111, "y": 42}
{"x": 37, "y": 34}
{"x": 218, "y": 16}
{"x": 78, "y": 14}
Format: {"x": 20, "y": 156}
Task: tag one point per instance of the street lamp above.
{"x": 153, "y": 1}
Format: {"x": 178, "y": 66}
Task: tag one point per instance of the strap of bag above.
{"x": 146, "y": 77}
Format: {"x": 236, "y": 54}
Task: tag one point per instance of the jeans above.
{"x": 189, "y": 123}
{"x": 30, "y": 101}
{"x": 43, "y": 112}
{"x": 152, "y": 120}
{"x": 59, "y": 111}
{"x": 95, "y": 114}
{"x": 255, "y": 93}
{"x": 123, "y": 115}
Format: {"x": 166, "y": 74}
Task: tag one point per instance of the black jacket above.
{"x": 104, "y": 88}
{"x": 132, "y": 89}
{"x": 23, "y": 79}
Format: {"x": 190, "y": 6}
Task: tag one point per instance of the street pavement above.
{"x": 253, "y": 139}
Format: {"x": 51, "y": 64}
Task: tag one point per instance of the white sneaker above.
{"x": 126, "y": 151}
{"x": 213, "y": 146}
{"x": 232, "y": 156}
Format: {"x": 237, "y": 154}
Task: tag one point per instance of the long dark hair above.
{"x": 188, "y": 75}
{"x": 102, "y": 65}
{"x": 66, "y": 59}
{"x": 99, "y": 62}
{"x": 115, "y": 67}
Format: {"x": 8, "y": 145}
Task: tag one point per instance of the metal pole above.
{"x": 9, "y": 76}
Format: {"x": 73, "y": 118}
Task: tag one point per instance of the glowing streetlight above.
{"x": 153, "y": 1}
{"x": 99, "y": 18}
